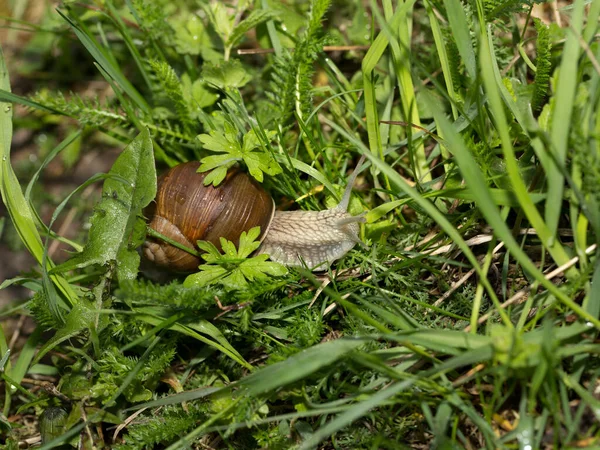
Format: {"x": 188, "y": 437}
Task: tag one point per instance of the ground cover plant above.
{"x": 469, "y": 318}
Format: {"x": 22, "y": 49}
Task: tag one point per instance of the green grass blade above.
{"x": 431, "y": 210}
{"x": 12, "y": 195}
{"x": 561, "y": 117}
{"x": 298, "y": 366}
{"x": 462, "y": 36}
{"x": 103, "y": 59}
{"x": 474, "y": 178}
{"x": 440, "y": 47}
{"x": 493, "y": 84}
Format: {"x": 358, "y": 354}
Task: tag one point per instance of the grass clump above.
{"x": 469, "y": 319}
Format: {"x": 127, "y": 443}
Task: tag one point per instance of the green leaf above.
{"x": 117, "y": 227}
{"x": 197, "y": 95}
{"x": 297, "y": 366}
{"x": 190, "y": 35}
{"x": 22, "y": 215}
{"x": 225, "y": 74}
{"x": 255, "y": 18}
{"x": 257, "y": 160}
{"x": 221, "y": 20}
{"x": 233, "y": 267}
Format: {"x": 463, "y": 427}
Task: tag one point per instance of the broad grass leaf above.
{"x": 298, "y": 366}
{"x": 115, "y": 227}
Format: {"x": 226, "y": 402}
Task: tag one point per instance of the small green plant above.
{"x": 234, "y": 267}
{"x": 234, "y": 149}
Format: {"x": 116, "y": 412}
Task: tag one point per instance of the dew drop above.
{"x": 4, "y": 158}
{"x": 195, "y": 37}
{"x": 7, "y": 108}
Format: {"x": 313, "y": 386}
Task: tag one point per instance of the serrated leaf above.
{"x": 233, "y": 267}
{"x": 268, "y": 267}
{"x": 228, "y": 248}
{"x": 209, "y": 248}
{"x": 217, "y": 142}
{"x": 197, "y": 95}
{"x": 208, "y": 274}
{"x": 221, "y": 20}
{"x": 114, "y": 235}
{"x": 216, "y": 176}
{"x": 248, "y": 242}
{"x": 256, "y": 159}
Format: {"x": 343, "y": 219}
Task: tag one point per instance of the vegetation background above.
{"x": 471, "y": 318}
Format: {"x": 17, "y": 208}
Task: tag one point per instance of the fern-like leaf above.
{"x": 173, "y": 91}
{"x": 38, "y": 306}
{"x": 162, "y": 426}
{"x": 143, "y": 291}
{"x": 292, "y": 76}
{"x": 543, "y": 63}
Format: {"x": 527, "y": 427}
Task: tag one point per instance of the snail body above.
{"x": 187, "y": 211}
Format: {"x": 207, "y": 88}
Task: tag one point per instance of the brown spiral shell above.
{"x": 187, "y": 211}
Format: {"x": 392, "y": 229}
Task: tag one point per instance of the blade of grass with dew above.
{"x": 564, "y": 98}
{"x": 431, "y": 210}
{"x": 12, "y": 195}
{"x": 474, "y": 178}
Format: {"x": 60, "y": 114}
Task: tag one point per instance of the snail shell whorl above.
{"x": 187, "y": 211}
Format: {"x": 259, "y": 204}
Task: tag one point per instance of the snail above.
{"x": 187, "y": 211}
